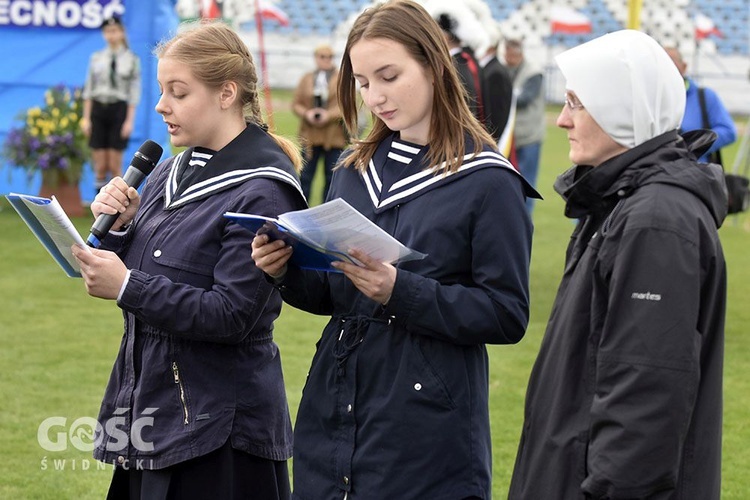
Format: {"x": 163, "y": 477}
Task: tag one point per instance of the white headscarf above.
{"x": 628, "y": 84}
{"x": 465, "y": 24}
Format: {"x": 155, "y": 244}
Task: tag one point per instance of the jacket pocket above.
{"x": 429, "y": 380}
{"x": 194, "y": 255}
{"x": 192, "y": 266}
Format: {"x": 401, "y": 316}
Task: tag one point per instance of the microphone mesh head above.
{"x": 151, "y": 150}
{"x": 151, "y": 153}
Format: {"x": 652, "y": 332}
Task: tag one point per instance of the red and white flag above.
{"x": 705, "y": 27}
{"x": 210, "y": 9}
{"x": 271, "y": 12}
{"x": 568, "y": 21}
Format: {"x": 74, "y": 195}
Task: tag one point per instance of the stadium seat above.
{"x": 670, "y": 20}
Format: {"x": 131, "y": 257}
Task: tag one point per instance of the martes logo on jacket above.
{"x": 655, "y": 297}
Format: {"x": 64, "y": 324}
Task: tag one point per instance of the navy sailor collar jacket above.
{"x": 414, "y": 179}
{"x": 230, "y": 166}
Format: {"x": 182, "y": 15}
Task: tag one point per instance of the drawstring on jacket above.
{"x": 352, "y": 334}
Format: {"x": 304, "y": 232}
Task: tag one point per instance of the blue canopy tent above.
{"x": 37, "y": 52}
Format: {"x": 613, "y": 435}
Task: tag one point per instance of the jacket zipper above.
{"x": 177, "y": 381}
{"x": 608, "y": 221}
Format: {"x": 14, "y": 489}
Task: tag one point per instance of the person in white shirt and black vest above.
{"x": 110, "y": 96}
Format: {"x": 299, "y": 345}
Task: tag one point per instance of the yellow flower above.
{"x": 41, "y": 130}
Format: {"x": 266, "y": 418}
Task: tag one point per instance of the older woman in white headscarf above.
{"x": 627, "y": 85}
{"x": 624, "y": 400}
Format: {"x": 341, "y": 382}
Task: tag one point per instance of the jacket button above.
{"x": 417, "y": 386}
{"x": 346, "y": 479}
{"x": 157, "y": 253}
{"x": 348, "y": 408}
{"x": 120, "y": 459}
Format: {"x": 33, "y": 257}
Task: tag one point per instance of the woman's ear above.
{"x": 228, "y": 94}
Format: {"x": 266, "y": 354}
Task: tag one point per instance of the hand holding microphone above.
{"x": 118, "y": 199}
{"x": 113, "y": 201}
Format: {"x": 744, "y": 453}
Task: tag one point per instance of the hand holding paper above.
{"x": 103, "y": 272}
{"x": 51, "y": 225}
{"x": 327, "y": 233}
{"x": 373, "y": 278}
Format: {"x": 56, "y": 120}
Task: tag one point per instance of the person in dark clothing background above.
{"x": 462, "y": 33}
{"x": 498, "y": 92}
{"x": 625, "y": 397}
{"x": 497, "y": 84}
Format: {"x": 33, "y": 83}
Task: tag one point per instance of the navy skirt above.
{"x": 223, "y": 474}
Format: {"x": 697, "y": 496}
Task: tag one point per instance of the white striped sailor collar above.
{"x": 187, "y": 170}
{"x": 250, "y": 155}
{"x": 417, "y": 179}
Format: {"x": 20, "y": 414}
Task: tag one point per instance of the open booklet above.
{"x": 326, "y": 233}
{"x": 51, "y": 225}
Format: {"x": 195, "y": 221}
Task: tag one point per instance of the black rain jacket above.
{"x": 625, "y": 398}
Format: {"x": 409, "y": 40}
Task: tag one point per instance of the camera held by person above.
{"x": 318, "y": 104}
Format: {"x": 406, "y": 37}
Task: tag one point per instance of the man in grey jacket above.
{"x": 528, "y": 131}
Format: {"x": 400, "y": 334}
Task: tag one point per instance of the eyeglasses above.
{"x": 325, "y": 56}
{"x": 572, "y": 102}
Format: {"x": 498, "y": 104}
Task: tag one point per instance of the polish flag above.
{"x": 704, "y": 27}
{"x": 568, "y": 21}
{"x": 272, "y": 12}
{"x": 210, "y": 9}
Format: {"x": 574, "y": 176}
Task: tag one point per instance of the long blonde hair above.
{"x": 409, "y": 24}
{"x": 216, "y": 54}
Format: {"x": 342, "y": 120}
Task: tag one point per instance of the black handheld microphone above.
{"x": 144, "y": 161}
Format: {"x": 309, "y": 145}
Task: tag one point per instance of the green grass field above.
{"x": 57, "y": 346}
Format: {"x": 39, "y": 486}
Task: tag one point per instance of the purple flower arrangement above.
{"x": 50, "y": 139}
